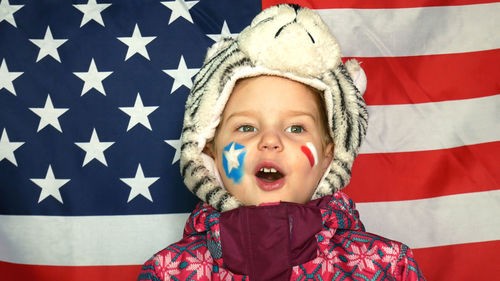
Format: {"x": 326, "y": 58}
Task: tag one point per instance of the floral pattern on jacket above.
{"x": 345, "y": 251}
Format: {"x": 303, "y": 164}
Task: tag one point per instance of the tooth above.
{"x": 266, "y": 170}
{"x": 261, "y": 170}
{"x": 273, "y": 170}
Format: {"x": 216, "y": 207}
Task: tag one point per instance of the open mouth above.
{"x": 269, "y": 174}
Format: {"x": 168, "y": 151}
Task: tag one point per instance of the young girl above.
{"x": 272, "y": 126}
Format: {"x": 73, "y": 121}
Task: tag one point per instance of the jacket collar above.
{"x": 296, "y": 228}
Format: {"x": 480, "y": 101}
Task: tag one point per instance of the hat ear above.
{"x": 357, "y": 74}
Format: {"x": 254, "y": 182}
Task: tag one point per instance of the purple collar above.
{"x": 265, "y": 242}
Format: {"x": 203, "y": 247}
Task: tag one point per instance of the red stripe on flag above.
{"x": 381, "y": 4}
{"x": 472, "y": 261}
{"x": 419, "y": 79}
{"x": 16, "y": 272}
{"x": 416, "y": 175}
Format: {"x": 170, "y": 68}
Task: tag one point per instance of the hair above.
{"x": 318, "y": 98}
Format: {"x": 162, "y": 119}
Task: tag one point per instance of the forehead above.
{"x": 271, "y": 94}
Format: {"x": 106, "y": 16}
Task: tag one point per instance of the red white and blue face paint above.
{"x": 311, "y": 153}
{"x": 233, "y": 157}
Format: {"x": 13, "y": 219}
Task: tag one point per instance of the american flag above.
{"x": 92, "y": 98}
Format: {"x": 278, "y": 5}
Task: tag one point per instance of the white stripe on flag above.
{"x": 128, "y": 240}
{"x": 439, "y": 221}
{"x": 89, "y": 240}
{"x": 430, "y": 126}
{"x": 415, "y": 31}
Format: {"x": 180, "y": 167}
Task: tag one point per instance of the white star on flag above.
{"x": 91, "y": 11}
{"x": 50, "y": 186}
{"x": 7, "y": 148}
{"x": 177, "y": 145}
{"x": 49, "y": 115}
{"x": 232, "y": 157}
{"x": 93, "y": 78}
{"x": 94, "y": 149}
{"x": 139, "y": 113}
{"x": 139, "y": 185}
{"x": 136, "y": 43}
{"x": 7, "y": 12}
{"x": 48, "y": 46}
{"x": 7, "y": 77}
{"x": 225, "y": 32}
{"x": 182, "y": 75}
{"x": 180, "y": 8}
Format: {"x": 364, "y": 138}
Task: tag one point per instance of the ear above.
{"x": 209, "y": 149}
{"x": 329, "y": 152}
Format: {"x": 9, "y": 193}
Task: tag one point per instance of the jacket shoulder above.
{"x": 370, "y": 254}
{"x": 184, "y": 259}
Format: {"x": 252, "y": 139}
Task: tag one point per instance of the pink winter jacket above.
{"x": 323, "y": 240}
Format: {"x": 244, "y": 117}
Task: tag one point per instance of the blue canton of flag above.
{"x": 92, "y": 99}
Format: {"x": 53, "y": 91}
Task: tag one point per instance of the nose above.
{"x": 270, "y": 141}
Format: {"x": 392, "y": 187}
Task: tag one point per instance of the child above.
{"x": 271, "y": 129}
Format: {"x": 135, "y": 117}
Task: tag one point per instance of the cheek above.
{"x": 233, "y": 161}
{"x": 311, "y": 153}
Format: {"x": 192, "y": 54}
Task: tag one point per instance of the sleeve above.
{"x": 408, "y": 267}
{"x": 148, "y": 271}
{"x": 169, "y": 265}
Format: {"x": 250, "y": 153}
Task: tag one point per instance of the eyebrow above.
{"x": 241, "y": 113}
{"x": 251, "y": 113}
{"x": 300, "y": 113}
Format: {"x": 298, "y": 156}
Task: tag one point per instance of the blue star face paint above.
{"x": 232, "y": 161}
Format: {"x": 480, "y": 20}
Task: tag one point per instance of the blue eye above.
{"x": 246, "y": 129}
{"x": 296, "y": 129}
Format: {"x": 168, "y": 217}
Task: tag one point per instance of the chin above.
{"x": 276, "y": 198}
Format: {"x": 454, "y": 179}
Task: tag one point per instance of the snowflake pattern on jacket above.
{"x": 344, "y": 251}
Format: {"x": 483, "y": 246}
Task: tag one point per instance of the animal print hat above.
{"x": 287, "y": 41}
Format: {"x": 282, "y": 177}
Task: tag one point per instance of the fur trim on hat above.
{"x": 287, "y": 41}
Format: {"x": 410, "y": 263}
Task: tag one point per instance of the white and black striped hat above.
{"x": 287, "y": 41}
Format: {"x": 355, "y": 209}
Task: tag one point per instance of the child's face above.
{"x": 269, "y": 146}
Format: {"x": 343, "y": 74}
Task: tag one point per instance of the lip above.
{"x": 269, "y": 186}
